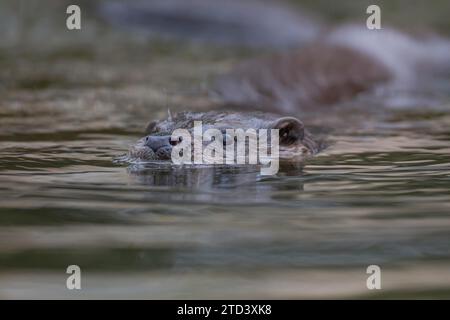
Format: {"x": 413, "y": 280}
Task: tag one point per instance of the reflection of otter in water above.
{"x": 213, "y": 180}
{"x": 193, "y": 176}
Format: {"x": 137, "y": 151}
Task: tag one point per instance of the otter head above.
{"x": 295, "y": 142}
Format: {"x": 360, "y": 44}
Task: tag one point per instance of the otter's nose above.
{"x": 156, "y": 142}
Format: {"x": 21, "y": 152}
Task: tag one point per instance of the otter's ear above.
{"x": 150, "y": 127}
{"x": 291, "y": 129}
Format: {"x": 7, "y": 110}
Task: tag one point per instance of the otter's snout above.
{"x": 161, "y": 145}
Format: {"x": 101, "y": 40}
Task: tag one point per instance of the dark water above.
{"x": 380, "y": 194}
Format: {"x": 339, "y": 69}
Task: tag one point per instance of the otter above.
{"x": 307, "y": 73}
{"x": 317, "y": 76}
{"x": 295, "y": 141}
{"x": 286, "y": 84}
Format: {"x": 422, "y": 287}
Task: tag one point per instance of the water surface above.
{"x": 379, "y": 194}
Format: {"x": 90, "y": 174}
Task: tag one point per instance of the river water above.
{"x": 379, "y": 194}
